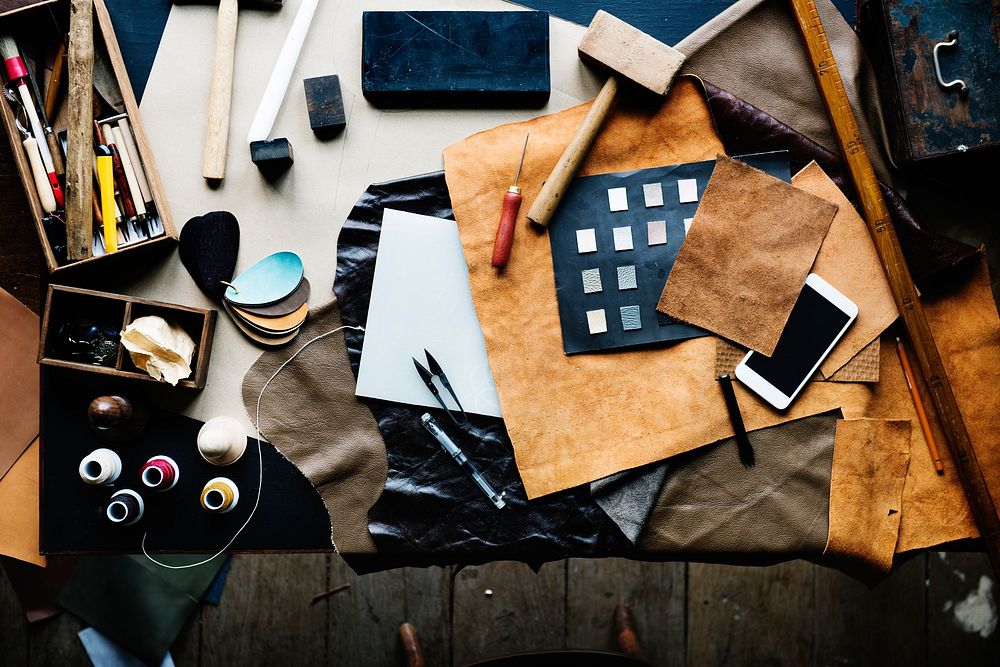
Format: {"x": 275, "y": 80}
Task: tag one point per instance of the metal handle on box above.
{"x": 952, "y": 41}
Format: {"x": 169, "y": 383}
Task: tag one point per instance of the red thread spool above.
{"x": 160, "y": 473}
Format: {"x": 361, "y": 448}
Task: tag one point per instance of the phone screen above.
{"x": 812, "y": 326}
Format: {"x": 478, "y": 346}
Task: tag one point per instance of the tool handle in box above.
{"x": 45, "y": 197}
{"x": 548, "y": 200}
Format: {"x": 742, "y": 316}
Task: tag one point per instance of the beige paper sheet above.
{"x": 19, "y": 520}
{"x": 848, "y": 261}
{"x": 303, "y": 210}
{"x": 870, "y": 460}
{"x": 573, "y": 419}
{"x": 744, "y": 261}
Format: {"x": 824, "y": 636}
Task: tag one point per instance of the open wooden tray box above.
{"x": 116, "y": 311}
{"x": 16, "y": 16}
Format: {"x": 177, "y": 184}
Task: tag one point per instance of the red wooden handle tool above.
{"x": 505, "y": 230}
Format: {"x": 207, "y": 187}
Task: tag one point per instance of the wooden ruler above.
{"x": 903, "y": 291}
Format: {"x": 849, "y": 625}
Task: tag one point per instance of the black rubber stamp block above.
{"x": 325, "y": 104}
{"x": 272, "y": 156}
{"x": 455, "y": 58}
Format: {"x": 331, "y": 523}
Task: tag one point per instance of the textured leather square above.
{"x": 623, "y": 238}
{"x": 591, "y": 281}
{"x": 652, "y": 194}
{"x": 626, "y": 277}
{"x": 656, "y": 232}
{"x": 631, "y": 320}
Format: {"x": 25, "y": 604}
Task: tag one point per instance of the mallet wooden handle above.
{"x": 904, "y": 293}
{"x": 220, "y": 100}
{"x": 545, "y": 204}
{"x": 80, "y": 132}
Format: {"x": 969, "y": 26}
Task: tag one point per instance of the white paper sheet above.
{"x": 421, "y": 300}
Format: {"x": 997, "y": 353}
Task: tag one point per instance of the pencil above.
{"x": 918, "y": 404}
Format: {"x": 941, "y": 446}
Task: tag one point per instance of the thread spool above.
{"x": 160, "y": 473}
{"x": 101, "y": 466}
{"x": 126, "y": 507}
{"x": 220, "y": 495}
{"x": 221, "y": 441}
{"x": 116, "y": 418}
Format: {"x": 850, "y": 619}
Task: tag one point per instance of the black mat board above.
{"x": 586, "y": 206}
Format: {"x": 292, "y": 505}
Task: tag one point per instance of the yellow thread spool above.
{"x": 220, "y": 495}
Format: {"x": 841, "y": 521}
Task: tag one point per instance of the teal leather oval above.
{"x": 271, "y": 279}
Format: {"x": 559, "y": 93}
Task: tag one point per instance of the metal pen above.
{"x": 435, "y": 429}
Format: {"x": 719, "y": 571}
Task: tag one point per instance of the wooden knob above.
{"x": 115, "y": 418}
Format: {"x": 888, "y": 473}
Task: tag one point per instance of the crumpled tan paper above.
{"x": 160, "y": 348}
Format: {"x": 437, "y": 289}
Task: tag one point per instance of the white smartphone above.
{"x": 819, "y": 319}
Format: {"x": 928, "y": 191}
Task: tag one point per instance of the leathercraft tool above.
{"x": 918, "y": 405}
{"x": 508, "y": 216}
{"x": 743, "y": 445}
{"x": 904, "y": 292}
{"x": 435, "y": 371}
{"x": 630, "y": 55}
{"x": 461, "y": 459}
{"x": 30, "y": 144}
{"x": 55, "y": 151}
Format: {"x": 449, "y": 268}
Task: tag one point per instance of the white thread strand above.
{"x": 260, "y": 460}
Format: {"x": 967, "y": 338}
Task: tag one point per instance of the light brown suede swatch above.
{"x": 574, "y": 419}
{"x": 741, "y": 268}
{"x": 310, "y": 414}
{"x": 862, "y": 367}
{"x": 19, "y": 388}
{"x": 870, "y": 459}
{"x": 848, "y": 261}
{"x": 19, "y": 520}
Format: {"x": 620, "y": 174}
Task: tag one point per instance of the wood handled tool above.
{"x": 42, "y": 186}
{"x": 221, "y": 95}
{"x": 631, "y": 55}
{"x": 508, "y": 216}
{"x": 80, "y": 132}
{"x": 904, "y": 292}
{"x": 105, "y": 176}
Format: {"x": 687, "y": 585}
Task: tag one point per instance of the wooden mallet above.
{"x": 220, "y": 100}
{"x": 631, "y": 55}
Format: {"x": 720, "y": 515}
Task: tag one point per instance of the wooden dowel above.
{"x": 80, "y": 132}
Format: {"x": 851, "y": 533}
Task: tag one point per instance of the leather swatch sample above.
{"x": 19, "y": 379}
{"x": 750, "y": 248}
{"x": 711, "y": 508}
{"x": 870, "y": 460}
{"x": 848, "y": 261}
{"x": 628, "y": 497}
{"x": 310, "y": 414}
{"x": 651, "y": 403}
{"x": 19, "y": 499}
{"x": 862, "y": 367}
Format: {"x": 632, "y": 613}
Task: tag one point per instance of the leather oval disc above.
{"x": 268, "y": 281}
{"x": 275, "y": 325}
{"x": 286, "y": 306}
{"x": 269, "y": 341}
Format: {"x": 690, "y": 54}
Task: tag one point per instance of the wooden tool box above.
{"x": 15, "y": 13}
{"x": 117, "y": 311}
{"x": 911, "y": 44}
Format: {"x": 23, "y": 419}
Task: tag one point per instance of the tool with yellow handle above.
{"x": 904, "y": 293}
{"x": 106, "y": 183}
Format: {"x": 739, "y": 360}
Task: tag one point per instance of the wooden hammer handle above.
{"x": 80, "y": 132}
{"x": 548, "y": 200}
{"x": 217, "y": 134}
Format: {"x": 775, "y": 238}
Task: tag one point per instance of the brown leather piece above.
{"x": 870, "y": 459}
{"x": 935, "y": 261}
{"x": 711, "y": 508}
{"x": 19, "y": 379}
{"x": 309, "y": 413}
{"x": 742, "y": 265}
{"x": 593, "y": 414}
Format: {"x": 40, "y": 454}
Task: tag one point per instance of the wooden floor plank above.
{"x": 740, "y": 615}
{"x": 881, "y": 625}
{"x": 503, "y": 608}
{"x": 962, "y": 610}
{"x": 13, "y": 626}
{"x": 364, "y": 620}
{"x": 655, "y": 592}
{"x": 266, "y": 617}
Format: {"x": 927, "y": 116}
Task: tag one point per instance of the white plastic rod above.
{"x": 270, "y": 103}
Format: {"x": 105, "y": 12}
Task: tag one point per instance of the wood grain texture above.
{"x": 221, "y": 95}
{"x": 80, "y": 132}
{"x": 266, "y": 613}
{"x": 858, "y": 625}
{"x": 524, "y": 612}
{"x": 750, "y": 615}
{"x": 904, "y": 292}
{"x": 961, "y": 588}
{"x": 656, "y": 593}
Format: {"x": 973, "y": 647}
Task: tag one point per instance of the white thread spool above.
{"x": 126, "y": 507}
{"x": 220, "y": 495}
{"x": 221, "y": 441}
{"x": 101, "y": 466}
